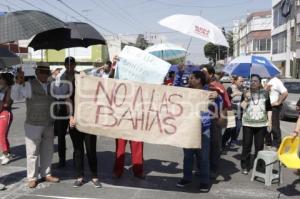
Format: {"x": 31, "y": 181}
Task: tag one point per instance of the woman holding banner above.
{"x": 79, "y": 139}
{"x": 197, "y": 80}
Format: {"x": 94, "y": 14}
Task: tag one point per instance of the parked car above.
{"x": 289, "y": 105}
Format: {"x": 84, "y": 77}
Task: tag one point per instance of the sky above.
{"x": 132, "y": 17}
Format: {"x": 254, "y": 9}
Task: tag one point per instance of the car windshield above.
{"x": 292, "y": 87}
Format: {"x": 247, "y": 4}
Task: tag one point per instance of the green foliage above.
{"x": 215, "y": 52}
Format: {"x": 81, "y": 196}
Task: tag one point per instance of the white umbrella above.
{"x": 195, "y": 26}
{"x": 166, "y": 51}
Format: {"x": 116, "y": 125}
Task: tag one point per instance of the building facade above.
{"x": 285, "y": 43}
{"x": 252, "y": 35}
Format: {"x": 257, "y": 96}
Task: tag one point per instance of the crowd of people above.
{"x": 256, "y": 111}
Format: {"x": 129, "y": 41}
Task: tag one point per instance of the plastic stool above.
{"x": 270, "y": 158}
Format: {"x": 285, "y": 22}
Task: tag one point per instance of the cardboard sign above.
{"x": 138, "y": 65}
{"x": 142, "y": 112}
{"x": 230, "y": 119}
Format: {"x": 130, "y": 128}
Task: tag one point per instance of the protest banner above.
{"x": 137, "y": 111}
{"x": 138, "y": 65}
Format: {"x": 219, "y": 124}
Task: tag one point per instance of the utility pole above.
{"x": 295, "y": 67}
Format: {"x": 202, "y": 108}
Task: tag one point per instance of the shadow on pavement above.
{"x": 290, "y": 190}
{"x": 18, "y": 152}
{"x": 13, "y": 178}
{"x": 227, "y": 169}
{"x": 158, "y": 173}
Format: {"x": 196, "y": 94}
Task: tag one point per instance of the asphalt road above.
{"x": 163, "y": 167}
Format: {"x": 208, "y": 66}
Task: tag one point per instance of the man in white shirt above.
{"x": 38, "y": 125}
{"x": 103, "y": 71}
{"x": 278, "y": 93}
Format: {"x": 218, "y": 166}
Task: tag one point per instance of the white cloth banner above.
{"x": 138, "y": 111}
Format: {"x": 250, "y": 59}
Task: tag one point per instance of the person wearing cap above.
{"x": 79, "y": 139}
{"x": 38, "y": 124}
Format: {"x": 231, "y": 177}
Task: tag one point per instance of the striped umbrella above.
{"x": 246, "y": 65}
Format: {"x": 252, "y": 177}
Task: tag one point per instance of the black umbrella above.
{"x": 76, "y": 34}
{"x": 8, "y": 58}
{"x": 25, "y": 24}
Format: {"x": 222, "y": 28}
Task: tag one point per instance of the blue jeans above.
{"x": 202, "y": 157}
{"x": 216, "y": 146}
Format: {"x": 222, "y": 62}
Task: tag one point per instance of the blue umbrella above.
{"x": 252, "y": 64}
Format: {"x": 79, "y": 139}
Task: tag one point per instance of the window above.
{"x": 268, "y": 44}
{"x": 279, "y": 43}
{"x": 262, "y": 45}
{"x": 255, "y": 45}
{"x": 278, "y": 19}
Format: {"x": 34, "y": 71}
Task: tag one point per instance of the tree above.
{"x": 215, "y": 52}
{"x": 210, "y": 51}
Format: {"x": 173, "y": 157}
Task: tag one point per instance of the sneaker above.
{"x": 96, "y": 183}
{"x": 183, "y": 183}
{"x": 204, "y": 187}
{"x": 2, "y": 187}
{"x": 245, "y": 172}
{"x": 5, "y": 160}
{"x": 78, "y": 183}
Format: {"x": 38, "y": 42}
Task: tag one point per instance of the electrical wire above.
{"x": 111, "y": 13}
{"x": 32, "y": 5}
{"x": 75, "y": 11}
{"x": 15, "y": 5}
{"x": 129, "y": 16}
{"x": 62, "y": 11}
{"x": 198, "y": 6}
